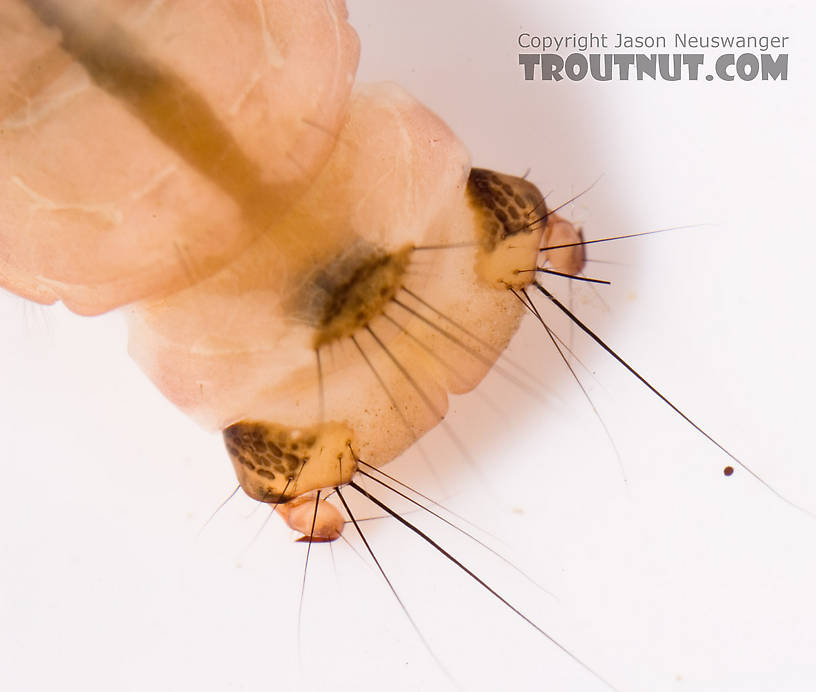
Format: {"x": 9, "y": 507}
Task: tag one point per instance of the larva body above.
{"x": 212, "y": 625}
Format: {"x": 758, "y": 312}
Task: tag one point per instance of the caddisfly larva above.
{"x": 256, "y": 642}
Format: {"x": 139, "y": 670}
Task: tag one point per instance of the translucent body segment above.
{"x": 270, "y": 229}
{"x": 184, "y": 133}
{"x": 241, "y": 345}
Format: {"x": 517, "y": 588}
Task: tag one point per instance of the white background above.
{"x": 677, "y": 579}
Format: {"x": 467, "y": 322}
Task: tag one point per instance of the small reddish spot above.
{"x": 728, "y": 470}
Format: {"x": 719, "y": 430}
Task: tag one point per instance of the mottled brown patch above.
{"x": 508, "y": 205}
{"x": 303, "y": 459}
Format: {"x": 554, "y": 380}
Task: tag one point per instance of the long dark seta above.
{"x": 475, "y": 354}
{"x": 393, "y": 590}
{"x": 477, "y": 579}
{"x": 453, "y": 526}
{"x": 305, "y": 571}
{"x": 574, "y": 277}
{"x": 553, "y": 337}
{"x": 662, "y": 397}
